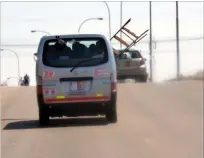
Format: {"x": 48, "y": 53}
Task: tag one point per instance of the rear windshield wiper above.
{"x": 81, "y": 61}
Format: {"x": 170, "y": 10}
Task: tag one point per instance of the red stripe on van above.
{"x": 77, "y": 99}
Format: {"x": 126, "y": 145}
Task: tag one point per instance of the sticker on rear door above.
{"x": 101, "y": 72}
{"x": 48, "y": 74}
{"x": 48, "y": 92}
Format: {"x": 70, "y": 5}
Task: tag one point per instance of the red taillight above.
{"x": 39, "y": 89}
{"x": 142, "y": 62}
{"x": 113, "y": 86}
{"x": 39, "y": 85}
{"x": 113, "y": 83}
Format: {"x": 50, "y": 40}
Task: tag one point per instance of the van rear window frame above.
{"x": 75, "y": 38}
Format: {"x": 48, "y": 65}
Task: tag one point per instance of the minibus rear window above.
{"x": 67, "y": 52}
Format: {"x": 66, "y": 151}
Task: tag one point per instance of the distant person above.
{"x": 21, "y": 82}
{"x": 26, "y": 80}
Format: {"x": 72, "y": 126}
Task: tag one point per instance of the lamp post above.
{"x": 121, "y": 19}
{"x": 109, "y": 18}
{"x": 86, "y": 21}
{"x": 177, "y": 41}
{"x": 34, "y": 31}
{"x": 150, "y": 40}
{"x": 18, "y": 66}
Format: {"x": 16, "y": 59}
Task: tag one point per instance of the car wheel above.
{"x": 43, "y": 117}
{"x": 121, "y": 81}
{"x": 111, "y": 114}
{"x": 143, "y": 78}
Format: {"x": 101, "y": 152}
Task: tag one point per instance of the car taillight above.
{"x": 39, "y": 85}
{"x": 142, "y": 62}
{"x": 113, "y": 84}
{"x": 39, "y": 89}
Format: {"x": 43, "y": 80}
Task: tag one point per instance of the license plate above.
{"x": 76, "y": 86}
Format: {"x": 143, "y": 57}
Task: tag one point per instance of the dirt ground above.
{"x": 154, "y": 121}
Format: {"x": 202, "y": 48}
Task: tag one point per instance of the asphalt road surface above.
{"x": 154, "y": 121}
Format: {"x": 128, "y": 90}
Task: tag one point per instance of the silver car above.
{"x": 131, "y": 64}
{"x": 76, "y": 76}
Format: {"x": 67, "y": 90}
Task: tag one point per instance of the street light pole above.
{"x": 86, "y": 21}
{"x": 17, "y": 60}
{"x": 150, "y": 40}
{"x": 121, "y": 19}
{"x": 0, "y": 52}
{"x": 177, "y": 41}
{"x": 109, "y": 18}
{"x": 34, "y": 31}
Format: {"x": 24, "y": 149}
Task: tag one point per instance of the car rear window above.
{"x": 125, "y": 55}
{"x": 67, "y": 52}
{"x": 134, "y": 54}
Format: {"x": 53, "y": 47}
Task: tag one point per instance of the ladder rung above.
{"x": 115, "y": 51}
{"x": 132, "y": 33}
{"x": 121, "y": 40}
{"x": 127, "y": 35}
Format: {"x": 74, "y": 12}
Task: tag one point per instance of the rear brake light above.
{"x": 113, "y": 83}
{"x": 113, "y": 86}
{"x": 39, "y": 84}
{"x": 142, "y": 62}
{"x": 39, "y": 89}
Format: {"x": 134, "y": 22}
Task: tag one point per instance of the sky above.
{"x": 18, "y": 18}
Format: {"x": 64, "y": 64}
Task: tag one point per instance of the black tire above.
{"x": 143, "y": 78}
{"x": 121, "y": 80}
{"x": 111, "y": 113}
{"x": 43, "y": 117}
